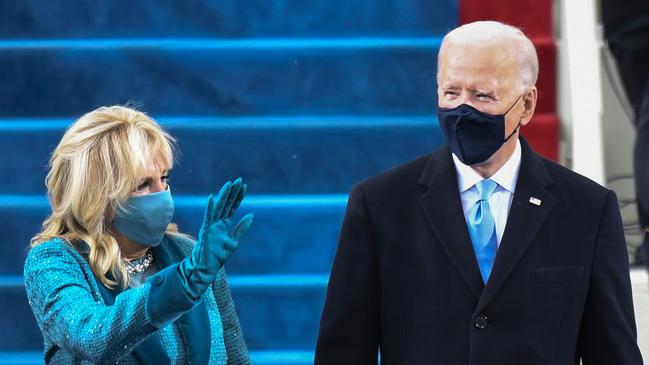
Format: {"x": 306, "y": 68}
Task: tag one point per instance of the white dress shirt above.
{"x": 501, "y": 200}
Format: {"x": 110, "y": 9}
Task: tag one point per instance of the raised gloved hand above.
{"x": 216, "y": 240}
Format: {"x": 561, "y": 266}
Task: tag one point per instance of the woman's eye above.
{"x": 484, "y": 97}
{"x": 164, "y": 178}
{"x": 142, "y": 186}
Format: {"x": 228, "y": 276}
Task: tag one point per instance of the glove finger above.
{"x": 221, "y": 199}
{"x": 234, "y": 193}
{"x": 237, "y": 202}
{"x": 231, "y": 244}
{"x": 209, "y": 210}
{"x": 242, "y": 227}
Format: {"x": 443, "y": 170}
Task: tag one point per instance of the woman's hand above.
{"x": 217, "y": 241}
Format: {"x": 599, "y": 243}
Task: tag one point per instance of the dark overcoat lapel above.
{"x": 442, "y": 206}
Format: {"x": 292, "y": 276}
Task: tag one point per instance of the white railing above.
{"x": 580, "y": 87}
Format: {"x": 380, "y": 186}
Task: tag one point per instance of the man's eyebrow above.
{"x": 482, "y": 91}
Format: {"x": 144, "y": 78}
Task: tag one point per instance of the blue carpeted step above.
{"x": 257, "y": 357}
{"x": 248, "y": 77}
{"x": 274, "y": 155}
{"x": 276, "y": 312}
{"x": 252, "y": 18}
{"x": 282, "y": 357}
{"x": 18, "y": 329}
{"x": 21, "y": 358}
{"x": 291, "y": 234}
{"x": 284, "y": 314}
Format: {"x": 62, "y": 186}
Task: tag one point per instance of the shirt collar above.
{"x": 505, "y": 177}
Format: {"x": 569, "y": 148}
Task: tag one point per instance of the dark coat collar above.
{"x": 443, "y": 209}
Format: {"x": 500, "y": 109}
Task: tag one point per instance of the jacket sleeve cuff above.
{"x": 168, "y": 300}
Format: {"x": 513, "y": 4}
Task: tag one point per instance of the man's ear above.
{"x": 529, "y": 103}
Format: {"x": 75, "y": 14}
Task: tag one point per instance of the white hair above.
{"x": 521, "y": 47}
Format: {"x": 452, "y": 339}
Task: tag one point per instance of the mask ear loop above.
{"x": 519, "y": 122}
{"x": 512, "y": 133}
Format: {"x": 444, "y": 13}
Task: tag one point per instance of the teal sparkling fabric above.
{"x": 170, "y": 336}
{"x": 172, "y": 341}
{"x": 79, "y": 328}
{"x": 235, "y": 345}
{"x": 216, "y": 328}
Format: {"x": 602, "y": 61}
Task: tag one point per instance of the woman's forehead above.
{"x": 155, "y": 165}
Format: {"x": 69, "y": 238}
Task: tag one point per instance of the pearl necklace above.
{"x": 139, "y": 265}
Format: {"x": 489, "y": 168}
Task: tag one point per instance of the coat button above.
{"x": 481, "y": 322}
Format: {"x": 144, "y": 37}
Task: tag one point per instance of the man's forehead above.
{"x": 471, "y": 54}
{"x": 474, "y": 82}
{"x": 484, "y": 63}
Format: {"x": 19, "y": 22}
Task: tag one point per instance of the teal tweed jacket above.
{"x": 84, "y": 322}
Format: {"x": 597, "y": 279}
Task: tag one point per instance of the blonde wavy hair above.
{"x": 100, "y": 160}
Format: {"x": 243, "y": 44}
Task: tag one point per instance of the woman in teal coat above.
{"x": 109, "y": 278}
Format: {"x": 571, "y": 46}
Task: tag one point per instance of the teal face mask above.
{"x": 145, "y": 218}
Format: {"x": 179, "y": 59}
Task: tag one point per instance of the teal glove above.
{"x": 216, "y": 241}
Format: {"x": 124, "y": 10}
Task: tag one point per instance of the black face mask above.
{"x": 473, "y": 136}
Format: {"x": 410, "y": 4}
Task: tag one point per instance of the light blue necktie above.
{"x": 482, "y": 228}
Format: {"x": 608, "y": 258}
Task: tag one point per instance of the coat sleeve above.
{"x": 71, "y": 316}
{"x": 608, "y": 331}
{"x": 235, "y": 344}
{"x": 349, "y": 327}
